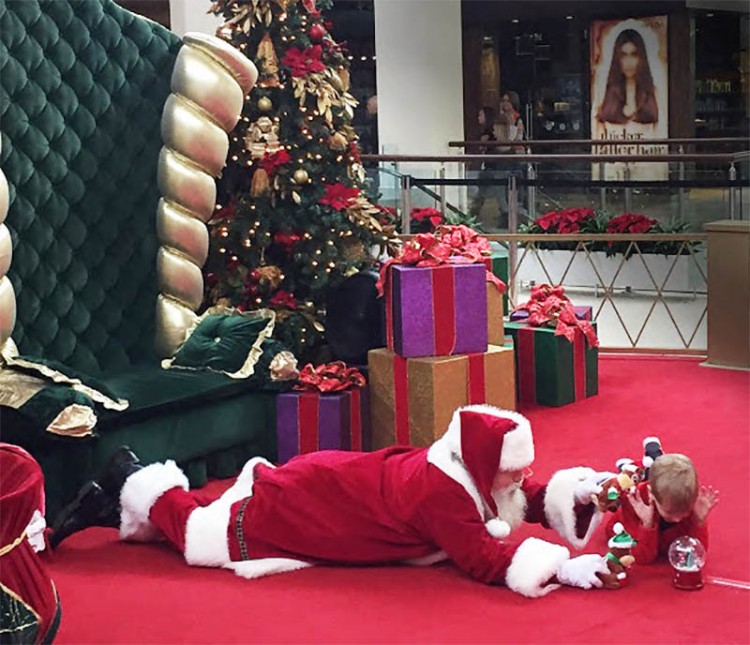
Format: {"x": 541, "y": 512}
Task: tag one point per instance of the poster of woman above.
{"x": 630, "y": 94}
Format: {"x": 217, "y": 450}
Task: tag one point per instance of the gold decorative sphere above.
{"x": 301, "y": 176}
{"x": 265, "y": 104}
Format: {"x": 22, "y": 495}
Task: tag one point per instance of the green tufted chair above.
{"x": 113, "y": 132}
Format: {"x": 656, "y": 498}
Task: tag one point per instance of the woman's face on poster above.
{"x": 630, "y": 60}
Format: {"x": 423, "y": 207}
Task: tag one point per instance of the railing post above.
{"x": 441, "y": 192}
{"x": 628, "y": 191}
{"x": 603, "y": 189}
{"x": 531, "y": 190}
{"x": 406, "y": 204}
{"x": 681, "y": 191}
{"x": 513, "y": 228}
{"x": 732, "y": 191}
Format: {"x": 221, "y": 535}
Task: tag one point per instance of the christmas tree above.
{"x": 292, "y": 217}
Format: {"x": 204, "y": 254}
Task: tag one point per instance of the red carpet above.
{"x": 129, "y": 593}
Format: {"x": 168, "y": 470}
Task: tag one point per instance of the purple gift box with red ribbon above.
{"x": 582, "y": 313}
{"x": 436, "y": 311}
{"x": 309, "y": 421}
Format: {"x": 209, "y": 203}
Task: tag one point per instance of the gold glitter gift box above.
{"x": 412, "y": 400}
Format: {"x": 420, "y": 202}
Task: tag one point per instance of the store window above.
{"x": 721, "y": 74}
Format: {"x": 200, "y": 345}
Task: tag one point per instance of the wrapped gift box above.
{"x": 413, "y": 400}
{"x": 497, "y": 262}
{"x": 436, "y": 311}
{"x": 550, "y": 370}
{"x": 582, "y": 313}
{"x": 310, "y": 421}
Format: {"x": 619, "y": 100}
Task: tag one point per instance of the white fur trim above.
{"x": 206, "y": 541}
{"x": 428, "y": 560}
{"x": 251, "y": 569}
{"x": 498, "y": 528}
{"x": 648, "y": 440}
{"x": 243, "y": 485}
{"x": 139, "y": 494}
{"x": 534, "y": 563}
{"x": 559, "y": 504}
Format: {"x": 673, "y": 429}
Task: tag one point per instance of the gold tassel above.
{"x": 260, "y": 184}
{"x": 269, "y": 68}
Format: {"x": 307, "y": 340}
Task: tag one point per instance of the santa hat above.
{"x": 491, "y": 439}
{"x": 621, "y": 538}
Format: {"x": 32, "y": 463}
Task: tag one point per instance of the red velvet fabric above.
{"x": 21, "y": 569}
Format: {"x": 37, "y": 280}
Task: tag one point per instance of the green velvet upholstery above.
{"x": 210, "y": 435}
{"x": 83, "y": 86}
{"x": 86, "y": 83}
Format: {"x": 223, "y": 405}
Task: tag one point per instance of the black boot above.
{"x": 98, "y": 501}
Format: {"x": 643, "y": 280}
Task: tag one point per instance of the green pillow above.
{"x": 225, "y": 340}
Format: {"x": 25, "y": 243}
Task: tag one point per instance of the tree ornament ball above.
{"x": 301, "y": 176}
{"x": 317, "y": 32}
{"x": 265, "y": 104}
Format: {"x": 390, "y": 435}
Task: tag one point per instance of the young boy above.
{"x": 668, "y": 505}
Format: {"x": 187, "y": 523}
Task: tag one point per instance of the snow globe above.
{"x": 687, "y": 557}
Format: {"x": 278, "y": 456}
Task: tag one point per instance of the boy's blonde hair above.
{"x": 674, "y": 482}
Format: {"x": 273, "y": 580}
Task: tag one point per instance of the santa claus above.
{"x": 459, "y": 499}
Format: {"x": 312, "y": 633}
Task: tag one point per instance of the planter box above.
{"x": 684, "y": 277}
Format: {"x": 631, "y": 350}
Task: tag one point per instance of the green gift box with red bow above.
{"x": 550, "y": 369}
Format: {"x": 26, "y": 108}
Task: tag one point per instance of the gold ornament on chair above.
{"x": 262, "y": 137}
{"x": 265, "y": 104}
{"x": 269, "y": 63}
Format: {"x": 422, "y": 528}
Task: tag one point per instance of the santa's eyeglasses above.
{"x": 523, "y": 473}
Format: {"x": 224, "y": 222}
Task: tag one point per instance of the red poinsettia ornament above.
{"x": 338, "y": 196}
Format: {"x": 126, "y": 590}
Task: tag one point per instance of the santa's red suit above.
{"x": 653, "y": 543}
{"x": 400, "y": 504}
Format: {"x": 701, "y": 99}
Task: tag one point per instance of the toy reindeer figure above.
{"x": 619, "y": 558}
{"x": 613, "y": 489}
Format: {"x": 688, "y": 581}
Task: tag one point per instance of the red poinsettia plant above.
{"x": 631, "y": 223}
{"x": 589, "y": 221}
{"x": 568, "y": 220}
{"x": 425, "y": 220}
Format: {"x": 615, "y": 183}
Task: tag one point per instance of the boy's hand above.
{"x": 706, "y": 500}
{"x": 646, "y": 511}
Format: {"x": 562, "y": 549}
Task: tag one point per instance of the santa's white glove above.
{"x": 581, "y": 571}
{"x": 590, "y": 487}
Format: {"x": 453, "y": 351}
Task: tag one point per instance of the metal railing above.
{"x": 644, "y": 302}
{"x": 530, "y": 180}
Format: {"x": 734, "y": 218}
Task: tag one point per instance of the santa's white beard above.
{"x": 511, "y": 505}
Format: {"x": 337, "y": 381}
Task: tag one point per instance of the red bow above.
{"x": 454, "y": 244}
{"x": 549, "y": 306}
{"x": 329, "y": 377}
